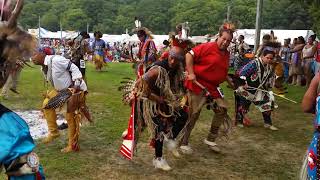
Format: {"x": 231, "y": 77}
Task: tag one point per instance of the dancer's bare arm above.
{"x": 147, "y": 81}
{"x": 309, "y": 99}
{"x": 189, "y": 66}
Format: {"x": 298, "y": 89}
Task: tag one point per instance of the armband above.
{"x": 191, "y": 52}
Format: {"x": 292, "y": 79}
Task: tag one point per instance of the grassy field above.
{"x": 251, "y": 153}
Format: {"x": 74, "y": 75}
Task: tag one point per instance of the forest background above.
{"x": 161, "y": 16}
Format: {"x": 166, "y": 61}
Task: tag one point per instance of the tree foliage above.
{"x": 161, "y": 16}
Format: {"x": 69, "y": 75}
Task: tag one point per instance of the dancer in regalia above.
{"x": 17, "y": 154}
{"x": 147, "y": 50}
{"x": 68, "y": 89}
{"x": 256, "y": 76}
{"x": 158, "y": 93}
{"x": 311, "y": 104}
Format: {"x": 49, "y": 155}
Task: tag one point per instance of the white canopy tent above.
{"x": 199, "y": 39}
{"x": 52, "y": 35}
{"x": 249, "y": 34}
{"x": 158, "y": 39}
{"x": 115, "y": 38}
{"x": 35, "y": 32}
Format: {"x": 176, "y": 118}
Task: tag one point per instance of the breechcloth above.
{"x": 73, "y": 119}
{"x": 196, "y": 102}
{"x": 98, "y": 60}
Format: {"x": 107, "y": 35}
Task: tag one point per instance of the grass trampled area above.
{"x": 251, "y": 153}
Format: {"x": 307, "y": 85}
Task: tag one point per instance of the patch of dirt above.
{"x": 37, "y": 123}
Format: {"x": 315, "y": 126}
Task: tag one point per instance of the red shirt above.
{"x": 210, "y": 65}
{"x": 318, "y": 53}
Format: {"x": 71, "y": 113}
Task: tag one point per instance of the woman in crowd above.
{"x": 296, "y": 61}
{"x": 308, "y": 53}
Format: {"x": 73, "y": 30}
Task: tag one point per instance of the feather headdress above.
{"x": 144, "y": 30}
{"x": 227, "y": 27}
{"x": 15, "y": 43}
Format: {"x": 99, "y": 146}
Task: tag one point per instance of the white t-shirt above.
{"x": 61, "y": 72}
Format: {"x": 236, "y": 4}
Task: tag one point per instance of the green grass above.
{"x": 251, "y": 153}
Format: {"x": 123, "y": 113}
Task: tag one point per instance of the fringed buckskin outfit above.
{"x": 63, "y": 74}
{"x": 165, "y": 119}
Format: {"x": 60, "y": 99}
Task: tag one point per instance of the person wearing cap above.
{"x": 207, "y": 67}
{"x": 66, "y": 80}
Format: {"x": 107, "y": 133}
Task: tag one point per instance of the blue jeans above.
{"x": 316, "y": 67}
{"x": 286, "y": 72}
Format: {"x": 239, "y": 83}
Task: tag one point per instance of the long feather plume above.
{"x": 15, "y": 43}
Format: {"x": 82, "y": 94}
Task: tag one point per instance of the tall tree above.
{"x": 204, "y": 16}
{"x": 75, "y": 19}
{"x": 161, "y": 16}
{"x": 243, "y": 13}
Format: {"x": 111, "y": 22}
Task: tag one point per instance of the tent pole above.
{"x": 39, "y": 35}
{"x": 258, "y": 25}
